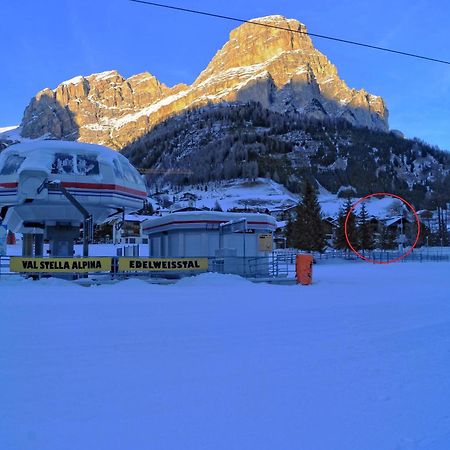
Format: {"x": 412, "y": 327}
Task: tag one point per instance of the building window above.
{"x": 63, "y": 164}
{"x": 87, "y": 165}
{"x": 118, "y": 172}
{"x": 66, "y": 163}
{"x": 130, "y": 174}
{"x": 12, "y": 164}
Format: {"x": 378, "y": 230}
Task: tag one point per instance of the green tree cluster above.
{"x": 360, "y": 230}
{"x": 306, "y": 232}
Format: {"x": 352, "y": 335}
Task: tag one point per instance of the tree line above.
{"x": 245, "y": 140}
{"x": 306, "y": 230}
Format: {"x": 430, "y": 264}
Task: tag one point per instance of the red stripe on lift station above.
{"x": 177, "y": 222}
{"x": 111, "y": 187}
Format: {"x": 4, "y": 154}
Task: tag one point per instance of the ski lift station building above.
{"x": 37, "y": 177}
{"x": 237, "y": 238}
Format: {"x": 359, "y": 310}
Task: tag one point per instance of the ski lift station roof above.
{"x": 207, "y": 220}
{"x": 102, "y": 180}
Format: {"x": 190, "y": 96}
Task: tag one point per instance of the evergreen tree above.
{"x": 289, "y": 232}
{"x": 424, "y": 234}
{"x": 307, "y": 230}
{"x": 365, "y": 232}
{"x": 102, "y": 232}
{"x": 442, "y": 227}
{"x": 217, "y": 206}
{"x": 434, "y": 239}
{"x": 147, "y": 210}
{"x": 387, "y": 239}
{"x": 340, "y": 241}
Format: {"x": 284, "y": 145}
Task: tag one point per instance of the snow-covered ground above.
{"x": 8, "y": 129}
{"x": 265, "y": 193}
{"x": 241, "y": 193}
{"x": 12, "y": 133}
{"x": 360, "y": 360}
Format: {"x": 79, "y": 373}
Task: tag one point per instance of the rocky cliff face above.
{"x": 84, "y": 107}
{"x": 279, "y": 69}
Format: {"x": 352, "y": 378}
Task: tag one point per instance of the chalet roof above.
{"x": 394, "y": 220}
{"x": 189, "y": 195}
{"x": 135, "y": 217}
{"x": 187, "y": 208}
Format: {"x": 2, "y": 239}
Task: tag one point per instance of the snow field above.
{"x": 357, "y": 361}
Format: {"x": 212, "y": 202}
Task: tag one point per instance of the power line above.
{"x": 321, "y": 36}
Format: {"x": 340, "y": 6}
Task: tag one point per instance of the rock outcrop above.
{"x": 279, "y": 69}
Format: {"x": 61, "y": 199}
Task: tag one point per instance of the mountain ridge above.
{"x": 281, "y": 70}
{"x": 230, "y": 141}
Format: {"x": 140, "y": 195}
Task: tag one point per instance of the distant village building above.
{"x": 129, "y": 230}
{"x": 177, "y": 207}
{"x": 283, "y": 212}
{"x": 398, "y": 224}
{"x": 188, "y": 196}
{"x": 329, "y": 226}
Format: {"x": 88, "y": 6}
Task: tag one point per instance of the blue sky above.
{"x": 44, "y": 43}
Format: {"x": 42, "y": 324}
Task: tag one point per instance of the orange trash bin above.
{"x": 303, "y": 269}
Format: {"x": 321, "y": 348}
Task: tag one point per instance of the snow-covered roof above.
{"x": 392, "y": 220}
{"x": 195, "y": 219}
{"x": 50, "y": 144}
{"x": 50, "y": 147}
{"x": 136, "y": 217}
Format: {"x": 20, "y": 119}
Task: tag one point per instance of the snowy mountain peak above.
{"x": 279, "y": 69}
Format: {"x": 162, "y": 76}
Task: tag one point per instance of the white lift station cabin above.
{"x": 48, "y": 189}
{"x": 241, "y": 242}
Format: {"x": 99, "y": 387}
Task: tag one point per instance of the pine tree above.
{"x": 307, "y": 230}
{"x": 442, "y": 227}
{"x": 147, "y": 210}
{"x": 340, "y": 241}
{"x": 217, "y": 206}
{"x": 289, "y": 232}
{"x": 365, "y": 232}
{"x": 423, "y": 236}
{"x": 386, "y": 240}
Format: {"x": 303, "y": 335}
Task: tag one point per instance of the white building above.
{"x": 239, "y": 241}
{"x": 129, "y": 230}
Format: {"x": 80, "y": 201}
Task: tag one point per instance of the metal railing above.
{"x": 278, "y": 265}
{"x": 430, "y": 254}
{"x": 4, "y": 266}
{"x": 265, "y": 267}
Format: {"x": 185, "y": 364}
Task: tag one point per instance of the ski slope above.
{"x": 357, "y": 361}
{"x": 265, "y": 193}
